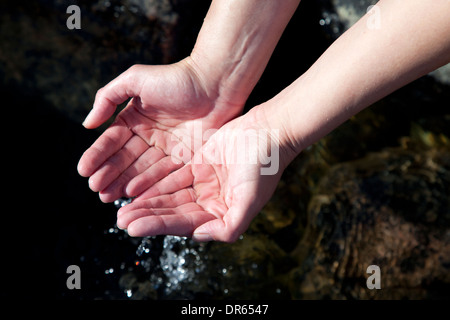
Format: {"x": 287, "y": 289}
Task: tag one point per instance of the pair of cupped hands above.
{"x": 173, "y": 149}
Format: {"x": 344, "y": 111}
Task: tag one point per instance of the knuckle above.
{"x": 100, "y": 93}
{"x": 134, "y": 67}
{"x": 131, "y": 71}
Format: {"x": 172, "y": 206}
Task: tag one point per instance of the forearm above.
{"x": 236, "y": 42}
{"x": 361, "y": 67}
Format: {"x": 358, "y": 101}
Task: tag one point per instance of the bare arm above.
{"x": 231, "y": 52}
{"x": 361, "y": 67}
{"x": 172, "y": 102}
{"x": 216, "y": 200}
{"x": 237, "y": 40}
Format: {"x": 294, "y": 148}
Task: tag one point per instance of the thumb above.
{"x": 125, "y": 86}
{"x": 228, "y": 229}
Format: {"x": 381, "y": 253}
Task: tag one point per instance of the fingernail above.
{"x": 87, "y": 118}
{"x": 202, "y": 237}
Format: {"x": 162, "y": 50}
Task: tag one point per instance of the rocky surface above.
{"x": 375, "y": 191}
{"x": 389, "y": 209}
{"x": 324, "y": 226}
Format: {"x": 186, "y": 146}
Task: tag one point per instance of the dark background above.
{"x": 50, "y": 217}
{"x": 49, "y": 75}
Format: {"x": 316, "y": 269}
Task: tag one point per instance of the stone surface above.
{"x": 375, "y": 191}
{"x": 389, "y": 209}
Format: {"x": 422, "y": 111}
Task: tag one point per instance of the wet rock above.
{"x": 251, "y": 268}
{"x": 351, "y": 203}
{"x": 389, "y": 209}
{"x": 135, "y": 289}
{"x": 168, "y": 267}
{"x": 173, "y": 267}
{"x": 442, "y": 74}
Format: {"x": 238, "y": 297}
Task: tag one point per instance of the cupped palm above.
{"x": 170, "y": 106}
{"x": 217, "y": 194}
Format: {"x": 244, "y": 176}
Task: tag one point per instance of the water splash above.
{"x": 181, "y": 262}
{"x": 172, "y": 265}
{"x": 119, "y": 203}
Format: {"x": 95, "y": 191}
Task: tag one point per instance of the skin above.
{"x": 205, "y": 90}
{"x": 212, "y": 197}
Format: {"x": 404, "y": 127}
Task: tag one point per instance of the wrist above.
{"x": 272, "y": 121}
{"x": 212, "y": 73}
{"x": 299, "y": 116}
{"x": 236, "y": 41}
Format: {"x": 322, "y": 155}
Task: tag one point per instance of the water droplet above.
{"x": 129, "y": 293}
{"x": 122, "y": 202}
{"x": 108, "y": 271}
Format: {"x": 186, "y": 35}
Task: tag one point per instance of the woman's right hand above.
{"x": 170, "y": 105}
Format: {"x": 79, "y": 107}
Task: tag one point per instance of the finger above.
{"x": 117, "y": 163}
{"x": 235, "y": 220}
{"x": 145, "y": 208}
{"x": 152, "y": 175}
{"x": 227, "y": 229}
{"x": 125, "y": 86}
{"x": 106, "y": 145}
{"x": 175, "y": 181}
{"x": 181, "y": 224}
{"x": 172, "y": 200}
{"x": 116, "y": 189}
{"x": 146, "y": 160}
